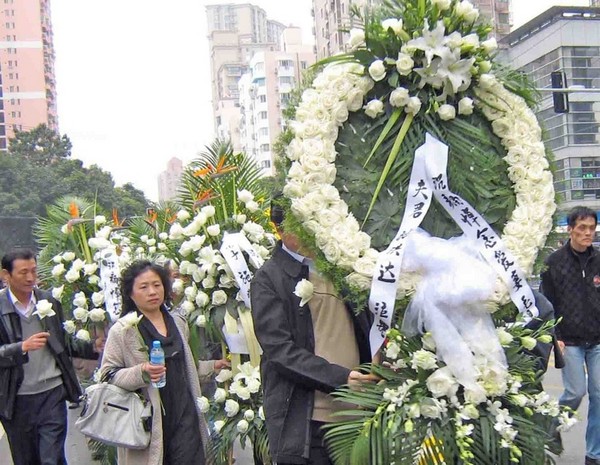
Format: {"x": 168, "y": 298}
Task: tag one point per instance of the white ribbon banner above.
{"x": 429, "y": 178}
{"x": 109, "y": 276}
{"x": 232, "y": 250}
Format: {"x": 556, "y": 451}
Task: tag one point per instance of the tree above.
{"x": 37, "y": 170}
{"x": 41, "y": 146}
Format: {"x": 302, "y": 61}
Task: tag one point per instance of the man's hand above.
{"x": 220, "y": 364}
{"x": 156, "y": 372}
{"x": 99, "y": 344}
{"x": 356, "y": 379}
{"x": 35, "y": 342}
{"x": 561, "y": 346}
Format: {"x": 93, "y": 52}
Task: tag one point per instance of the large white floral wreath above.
{"x": 341, "y": 88}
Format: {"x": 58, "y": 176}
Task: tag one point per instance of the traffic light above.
{"x": 560, "y": 99}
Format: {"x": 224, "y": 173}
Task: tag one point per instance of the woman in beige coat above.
{"x": 179, "y": 431}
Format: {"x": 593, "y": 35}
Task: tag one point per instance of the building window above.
{"x": 503, "y": 18}
{"x": 265, "y": 147}
{"x": 265, "y": 164}
{"x": 262, "y": 98}
{"x": 303, "y": 64}
{"x": 286, "y": 80}
{"x": 262, "y": 115}
{"x": 263, "y": 132}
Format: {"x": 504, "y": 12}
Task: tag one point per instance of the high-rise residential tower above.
{"x": 235, "y": 32}
{"x": 170, "y": 179}
{"x": 28, "y": 88}
{"x": 332, "y": 15}
{"x": 565, "y": 40}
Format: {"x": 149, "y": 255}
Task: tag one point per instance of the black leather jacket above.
{"x": 290, "y": 370}
{"x": 12, "y": 357}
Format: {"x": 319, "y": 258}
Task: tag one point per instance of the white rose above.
{"x": 377, "y": 70}
{"x": 423, "y": 359}
{"x": 183, "y": 215}
{"x": 432, "y": 408}
{"x": 72, "y": 275}
{"x": 187, "y": 307}
{"x": 249, "y": 415}
{"x": 176, "y": 231}
{"x": 57, "y": 292}
{"x": 465, "y": 106}
{"x": 446, "y": 112}
{"x": 89, "y": 268}
{"x": 469, "y": 42}
{"x": 374, "y": 108}
{"x": 394, "y": 24}
{"x": 57, "y": 259}
{"x": 357, "y": 38}
{"x": 69, "y": 326}
{"x": 252, "y": 206}
{"x": 104, "y": 232}
{"x": 253, "y": 385}
{"x": 219, "y": 297}
{"x": 504, "y": 337}
{"x": 475, "y": 395}
{"x": 144, "y": 238}
{"x": 428, "y": 341}
{"x": 231, "y": 408}
{"x": 467, "y": 11}
{"x": 80, "y": 300}
{"x": 442, "y": 383}
{"x": 240, "y": 219}
{"x": 404, "y": 64}
{"x": 98, "y": 298}
{"x": 442, "y": 4}
{"x": 489, "y": 45}
{"x": 392, "y": 350}
{"x": 208, "y": 210}
{"x": 203, "y": 404}
{"x": 83, "y": 335}
{"x": 97, "y": 314}
{"x": 177, "y": 286}
{"x": 68, "y": 256}
{"x": 220, "y": 395}
{"x": 43, "y": 309}
{"x": 163, "y": 236}
{"x": 78, "y": 264}
{"x": 131, "y": 319}
{"x": 528, "y": 342}
{"x": 304, "y": 289}
{"x": 224, "y": 375}
{"x": 245, "y": 196}
{"x": 99, "y": 220}
{"x": 242, "y": 426}
{"x": 354, "y": 100}
{"x": 208, "y": 282}
{"x": 98, "y": 243}
{"x": 213, "y": 230}
{"x": 202, "y": 299}
{"x": 219, "y": 426}
{"x": 190, "y": 292}
{"x": 413, "y": 106}
{"x": 81, "y": 314}
{"x": 58, "y": 270}
{"x": 200, "y": 321}
{"x": 399, "y": 97}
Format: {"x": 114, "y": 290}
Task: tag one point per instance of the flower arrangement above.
{"x": 417, "y": 68}
{"x": 236, "y": 411}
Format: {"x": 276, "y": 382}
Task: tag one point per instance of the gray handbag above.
{"x": 115, "y": 416}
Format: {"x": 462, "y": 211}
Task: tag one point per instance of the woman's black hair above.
{"x": 128, "y": 278}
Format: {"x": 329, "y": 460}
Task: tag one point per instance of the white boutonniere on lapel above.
{"x": 304, "y": 290}
{"x": 43, "y": 308}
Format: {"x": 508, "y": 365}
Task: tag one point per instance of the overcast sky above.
{"x": 134, "y": 81}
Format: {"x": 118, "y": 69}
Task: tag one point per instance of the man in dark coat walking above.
{"x": 36, "y": 372}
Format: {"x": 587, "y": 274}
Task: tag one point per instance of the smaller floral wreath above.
{"x": 341, "y": 88}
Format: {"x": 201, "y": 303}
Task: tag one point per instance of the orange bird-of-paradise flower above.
{"x": 221, "y": 169}
{"x": 152, "y": 216}
{"x": 203, "y": 171}
{"x": 115, "y": 217}
{"x": 204, "y": 197}
{"x": 73, "y": 210}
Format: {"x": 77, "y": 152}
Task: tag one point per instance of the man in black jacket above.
{"x": 36, "y": 372}
{"x": 308, "y": 351}
{"x": 572, "y": 283}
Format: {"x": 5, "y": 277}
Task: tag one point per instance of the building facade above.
{"x": 566, "y": 39}
{"x": 170, "y": 179}
{"x": 235, "y": 32}
{"x": 265, "y": 92}
{"x": 330, "y": 16}
{"x": 27, "y": 85}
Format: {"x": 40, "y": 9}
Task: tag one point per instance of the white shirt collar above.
{"x": 295, "y": 255}
{"x": 24, "y": 309}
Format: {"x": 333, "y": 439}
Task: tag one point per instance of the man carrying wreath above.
{"x": 312, "y": 343}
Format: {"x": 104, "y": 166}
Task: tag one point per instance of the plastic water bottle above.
{"x": 157, "y": 357}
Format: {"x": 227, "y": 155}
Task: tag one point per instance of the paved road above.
{"x": 78, "y": 454}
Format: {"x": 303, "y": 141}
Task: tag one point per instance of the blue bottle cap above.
{"x": 156, "y": 344}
